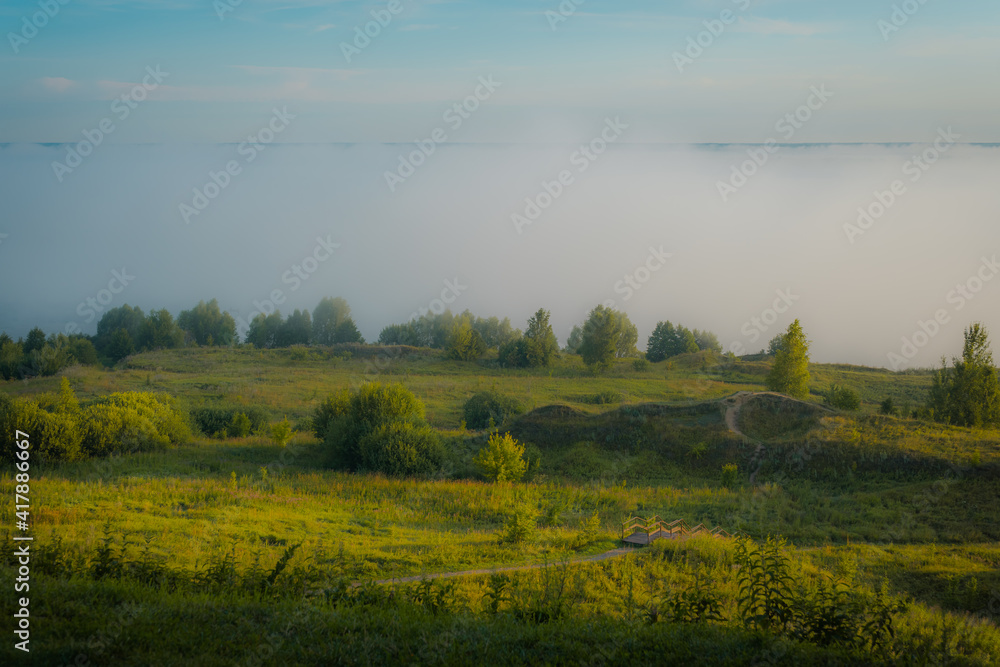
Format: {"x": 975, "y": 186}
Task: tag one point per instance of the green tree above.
{"x": 627, "y": 337}
{"x": 575, "y": 340}
{"x": 265, "y": 330}
{"x": 968, "y": 394}
{"x": 540, "y": 344}
{"x": 348, "y": 332}
{"x": 600, "y": 338}
{"x": 34, "y": 341}
{"x": 706, "y": 340}
{"x": 502, "y": 459}
{"x": 790, "y": 372}
{"x": 466, "y": 344}
{"x": 328, "y": 318}
{"x": 124, "y": 317}
{"x": 296, "y": 330}
{"x": 159, "y": 331}
{"x": 120, "y": 345}
{"x": 659, "y": 344}
{"x": 207, "y": 325}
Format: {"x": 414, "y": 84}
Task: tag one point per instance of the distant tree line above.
{"x": 606, "y": 335}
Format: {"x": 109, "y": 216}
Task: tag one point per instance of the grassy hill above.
{"x": 200, "y": 535}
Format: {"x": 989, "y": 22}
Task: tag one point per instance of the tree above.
{"x": 600, "y": 337}
{"x": 495, "y": 332}
{"x": 120, "y": 345}
{"x": 628, "y": 336}
{"x": 296, "y": 330}
{"x": 968, "y": 394}
{"x": 159, "y": 331}
{"x": 502, "y": 459}
{"x": 35, "y": 341}
{"x": 124, "y": 317}
{"x": 208, "y": 325}
{"x": 774, "y": 346}
{"x": 327, "y": 318}
{"x": 790, "y": 372}
{"x": 668, "y": 341}
{"x": 265, "y": 330}
{"x": 659, "y": 344}
{"x": 707, "y": 340}
{"x": 540, "y": 343}
{"x": 348, "y": 332}
{"x": 575, "y": 340}
{"x": 466, "y": 344}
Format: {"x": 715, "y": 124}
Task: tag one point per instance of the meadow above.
{"x": 236, "y": 550}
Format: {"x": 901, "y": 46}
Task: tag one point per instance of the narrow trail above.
{"x": 733, "y": 405}
{"x": 614, "y": 553}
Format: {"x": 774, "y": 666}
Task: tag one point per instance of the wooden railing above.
{"x": 654, "y": 527}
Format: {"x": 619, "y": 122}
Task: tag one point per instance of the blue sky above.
{"x": 225, "y": 75}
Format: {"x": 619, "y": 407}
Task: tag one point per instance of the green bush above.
{"x": 490, "y": 405}
{"x": 52, "y": 436}
{"x": 230, "y": 421}
{"x": 332, "y": 408}
{"x": 401, "y": 448}
{"x": 353, "y": 415}
{"x": 843, "y": 398}
{"x": 112, "y": 429}
{"x": 502, "y": 459}
{"x": 605, "y": 397}
{"x": 730, "y": 475}
{"x": 519, "y": 527}
{"x": 160, "y": 409}
{"x": 281, "y": 432}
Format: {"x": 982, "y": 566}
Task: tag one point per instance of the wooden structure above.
{"x": 642, "y": 531}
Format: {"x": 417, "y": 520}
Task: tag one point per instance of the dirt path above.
{"x": 614, "y": 553}
{"x": 733, "y": 405}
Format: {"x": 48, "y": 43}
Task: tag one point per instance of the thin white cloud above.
{"x": 57, "y": 84}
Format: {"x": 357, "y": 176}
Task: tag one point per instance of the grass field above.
{"x": 168, "y": 556}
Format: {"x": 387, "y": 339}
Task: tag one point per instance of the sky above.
{"x": 763, "y": 156}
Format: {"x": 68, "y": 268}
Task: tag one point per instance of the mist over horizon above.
{"x": 857, "y": 293}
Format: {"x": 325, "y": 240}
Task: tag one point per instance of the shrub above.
{"x": 401, "y": 448}
{"x": 281, "y": 432}
{"x": 605, "y": 397}
{"x": 159, "y": 409}
{"x": 52, "y": 437}
{"x": 230, "y": 421}
{"x": 502, "y": 459}
{"x": 519, "y": 527}
{"x": 490, "y": 405}
{"x": 641, "y": 364}
{"x": 333, "y": 407}
{"x": 112, "y": 429}
{"x": 730, "y": 475}
{"x": 888, "y": 407}
{"x": 132, "y": 422}
{"x": 843, "y": 398}
{"x": 355, "y": 414}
